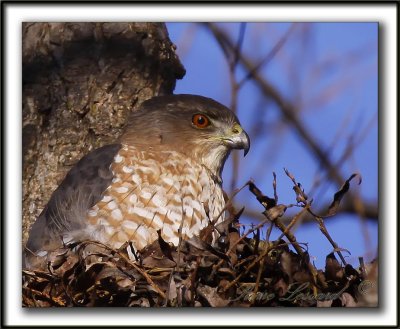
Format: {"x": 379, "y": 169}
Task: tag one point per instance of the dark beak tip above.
{"x": 247, "y": 145}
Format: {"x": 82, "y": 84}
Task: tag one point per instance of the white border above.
{"x": 385, "y": 14}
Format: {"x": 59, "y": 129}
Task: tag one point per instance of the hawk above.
{"x": 163, "y": 174}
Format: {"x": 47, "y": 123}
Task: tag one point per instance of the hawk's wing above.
{"x": 81, "y": 189}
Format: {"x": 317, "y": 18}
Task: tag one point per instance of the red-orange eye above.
{"x": 200, "y": 121}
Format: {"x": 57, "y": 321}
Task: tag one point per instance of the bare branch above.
{"x": 288, "y": 110}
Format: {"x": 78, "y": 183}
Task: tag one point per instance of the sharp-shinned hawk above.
{"x": 163, "y": 174}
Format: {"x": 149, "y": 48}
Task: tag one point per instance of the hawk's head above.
{"x": 196, "y": 126}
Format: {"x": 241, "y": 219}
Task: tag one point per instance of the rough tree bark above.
{"x": 80, "y": 81}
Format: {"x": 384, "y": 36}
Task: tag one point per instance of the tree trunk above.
{"x": 80, "y": 81}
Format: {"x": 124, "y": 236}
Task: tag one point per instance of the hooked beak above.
{"x": 237, "y": 138}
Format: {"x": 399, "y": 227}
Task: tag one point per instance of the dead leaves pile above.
{"x": 234, "y": 270}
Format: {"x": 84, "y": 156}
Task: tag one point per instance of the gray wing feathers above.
{"x": 81, "y": 189}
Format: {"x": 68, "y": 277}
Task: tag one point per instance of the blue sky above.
{"x": 330, "y": 72}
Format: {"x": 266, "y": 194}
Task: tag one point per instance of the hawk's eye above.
{"x": 200, "y": 121}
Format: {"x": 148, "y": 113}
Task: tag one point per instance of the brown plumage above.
{"x": 165, "y": 173}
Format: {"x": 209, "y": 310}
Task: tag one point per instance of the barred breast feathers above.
{"x": 153, "y": 190}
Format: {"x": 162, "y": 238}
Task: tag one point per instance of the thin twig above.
{"x": 288, "y": 110}
{"x": 278, "y": 46}
{"x": 127, "y": 260}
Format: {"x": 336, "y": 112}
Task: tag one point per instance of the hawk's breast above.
{"x": 154, "y": 190}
